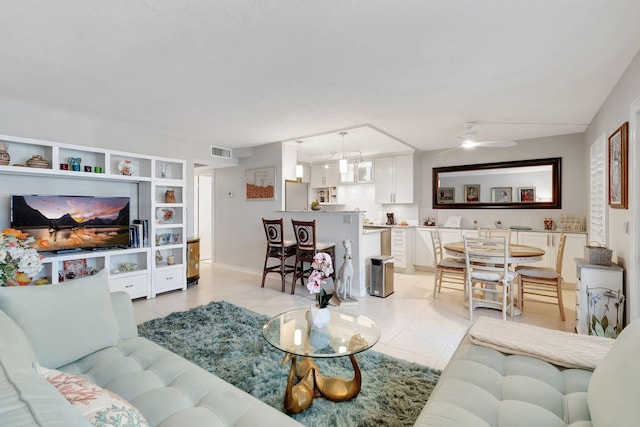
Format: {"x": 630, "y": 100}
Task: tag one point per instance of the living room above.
{"x": 72, "y": 87}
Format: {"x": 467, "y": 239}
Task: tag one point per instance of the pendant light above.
{"x": 299, "y": 167}
{"x": 343, "y": 161}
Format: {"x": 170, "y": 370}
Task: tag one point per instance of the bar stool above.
{"x": 279, "y": 248}
{"x": 307, "y": 248}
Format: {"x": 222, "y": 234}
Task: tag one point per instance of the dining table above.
{"x": 518, "y": 254}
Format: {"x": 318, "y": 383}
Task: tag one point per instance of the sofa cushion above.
{"x": 615, "y": 384}
{"x": 27, "y": 399}
{"x": 81, "y": 309}
{"x": 171, "y": 391}
{"x": 101, "y": 407}
{"x": 483, "y": 387}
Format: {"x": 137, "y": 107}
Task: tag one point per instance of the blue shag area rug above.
{"x": 227, "y": 340}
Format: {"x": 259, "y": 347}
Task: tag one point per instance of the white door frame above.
{"x": 633, "y": 267}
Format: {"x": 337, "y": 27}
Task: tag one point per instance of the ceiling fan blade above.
{"x": 496, "y": 144}
{"x": 448, "y": 151}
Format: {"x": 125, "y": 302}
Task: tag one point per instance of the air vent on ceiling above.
{"x": 222, "y": 152}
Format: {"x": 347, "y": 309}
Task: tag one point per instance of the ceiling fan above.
{"x": 469, "y": 139}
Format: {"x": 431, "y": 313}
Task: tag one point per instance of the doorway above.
{"x": 203, "y": 211}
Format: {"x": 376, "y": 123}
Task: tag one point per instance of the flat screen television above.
{"x": 65, "y": 223}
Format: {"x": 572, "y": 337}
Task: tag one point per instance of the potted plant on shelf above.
{"x": 315, "y": 205}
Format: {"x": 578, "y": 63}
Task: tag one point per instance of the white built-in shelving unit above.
{"x": 150, "y": 179}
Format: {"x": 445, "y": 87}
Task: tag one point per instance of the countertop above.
{"x": 440, "y": 227}
{"x": 322, "y": 211}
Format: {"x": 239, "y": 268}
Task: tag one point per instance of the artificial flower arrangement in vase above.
{"x": 19, "y": 261}
{"x": 322, "y": 268}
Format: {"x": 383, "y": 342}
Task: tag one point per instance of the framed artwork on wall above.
{"x": 446, "y": 194}
{"x": 618, "y": 167}
{"x": 527, "y": 194}
{"x": 472, "y": 193}
{"x": 501, "y": 194}
{"x": 261, "y": 183}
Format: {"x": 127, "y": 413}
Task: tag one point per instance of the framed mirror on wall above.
{"x": 522, "y": 184}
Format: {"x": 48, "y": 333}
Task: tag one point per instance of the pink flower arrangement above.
{"x": 322, "y": 268}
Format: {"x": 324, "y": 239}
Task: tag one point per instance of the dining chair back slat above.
{"x": 489, "y": 279}
{"x": 447, "y": 270}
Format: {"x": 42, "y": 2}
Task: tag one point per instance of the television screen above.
{"x": 61, "y": 223}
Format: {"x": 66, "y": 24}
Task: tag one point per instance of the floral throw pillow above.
{"x": 101, "y": 407}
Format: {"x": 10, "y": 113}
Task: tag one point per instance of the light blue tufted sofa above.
{"x": 482, "y": 387}
{"x": 81, "y": 328}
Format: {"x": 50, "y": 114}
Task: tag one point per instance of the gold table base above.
{"x": 311, "y": 384}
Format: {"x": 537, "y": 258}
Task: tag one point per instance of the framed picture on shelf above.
{"x": 501, "y": 194}
{"x": 74, "y": 268}
{"x": 618, "y": 167}
{"x": 527, "y": 194}
{"x": 261, "y": 183}
{"x": 472, "y": 193}
{"x": 446, "y": 194}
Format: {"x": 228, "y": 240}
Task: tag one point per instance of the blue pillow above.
{"x": 64, "y": 322}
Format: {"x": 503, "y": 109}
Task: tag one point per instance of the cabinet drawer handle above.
{"x": 128, "y": 286}
{"x": 170, "y": 278}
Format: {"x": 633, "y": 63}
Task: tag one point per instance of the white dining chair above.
{"x": 489, "y": 280}
{"x": 543, "y": 281}
{"x": 448, "y": 270}
{"x": 489, "y": 233}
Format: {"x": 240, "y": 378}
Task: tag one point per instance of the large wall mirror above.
{"x": 523, "y": 184}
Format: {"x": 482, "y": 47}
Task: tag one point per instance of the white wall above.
{"x": 614, "y": 112}
{"x": 574, "y": 163}
{"x": 33, "y": 121}
{"x": 238, "y": 230}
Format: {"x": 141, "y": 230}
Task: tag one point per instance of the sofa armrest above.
{"x": 123, "y": 308}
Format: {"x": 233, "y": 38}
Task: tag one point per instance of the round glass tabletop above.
{"x": 347, "y": 333}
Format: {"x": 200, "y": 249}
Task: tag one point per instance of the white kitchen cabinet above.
{"x": 593, "y": 276}
{"x": 325, "y": 175}
{"x": 548, "y": 241}
{"x": 403, "y": 248}
{"x": 394, "y": 179}
{"x": 326, "y": 195}
{"x": 424, "y": 247}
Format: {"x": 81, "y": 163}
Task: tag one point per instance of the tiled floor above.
{"x": 414, "y": 326}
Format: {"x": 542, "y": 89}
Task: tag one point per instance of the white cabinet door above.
{"x": 318, "y": 177}
{"x": 325, "y": 175}
{"x": 573, "y": 248}
{"x": 448, "y": 235}
{"x": 403, "y": 167}
{"x": 332, "y": 176}
{"x": 394, "y": 179}
{"x": 540, "y": 240}
{"x": 424, "y": 248}
{"x": 384, "y": 180}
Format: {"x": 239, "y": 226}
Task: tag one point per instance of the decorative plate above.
{"x": 126, "y": 167}
{"x": 165, "y": 215}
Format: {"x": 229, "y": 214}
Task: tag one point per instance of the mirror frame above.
{"x": 554, "y": 162}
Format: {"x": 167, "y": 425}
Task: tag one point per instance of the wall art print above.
{"x": 261, "y": 183}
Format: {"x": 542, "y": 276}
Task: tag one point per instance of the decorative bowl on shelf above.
{"x": 37, "y": 161}
{"x": 127, "y": 266}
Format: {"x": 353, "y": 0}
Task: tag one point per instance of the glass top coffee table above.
{"x": 345, "y": 335}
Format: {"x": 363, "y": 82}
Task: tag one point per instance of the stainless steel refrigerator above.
{"x": 296, "y": 196}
